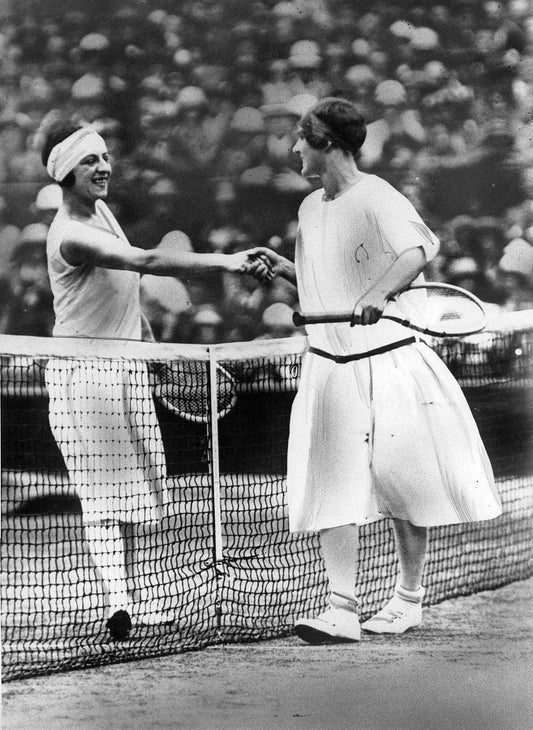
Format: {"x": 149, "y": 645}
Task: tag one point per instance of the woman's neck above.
{"x": 78, "y": 208}
{"x": 340, "y": 175}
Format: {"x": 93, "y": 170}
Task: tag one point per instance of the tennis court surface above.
{"x": 468, "y": 667}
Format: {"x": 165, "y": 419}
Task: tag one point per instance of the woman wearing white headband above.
{"x": 94, "y": 275}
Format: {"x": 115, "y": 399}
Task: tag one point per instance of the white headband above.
{"x": 67, "y": 154}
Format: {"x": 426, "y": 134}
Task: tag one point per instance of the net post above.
{"x": 214, "y": 461}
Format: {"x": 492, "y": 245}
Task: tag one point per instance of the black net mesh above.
{"x": 198, "y": 506}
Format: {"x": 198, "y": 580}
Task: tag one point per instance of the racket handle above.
{"x": 302, "y": 319}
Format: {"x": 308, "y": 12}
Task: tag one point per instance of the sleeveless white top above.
{"x": 91, "y": 301}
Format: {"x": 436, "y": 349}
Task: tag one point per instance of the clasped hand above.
{"x": 369, "y": 308}
{"x": 256, "y": 262}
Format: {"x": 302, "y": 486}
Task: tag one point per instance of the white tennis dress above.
{"x": 101, "y": 412}
{"x": 389, "y": 435}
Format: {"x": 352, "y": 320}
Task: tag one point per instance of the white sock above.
{"x": 106, "y": 545}
{"x": 410, "y": 596}
{"x": 340, "y": 547}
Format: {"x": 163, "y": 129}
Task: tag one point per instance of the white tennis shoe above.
{"x": 334, "y": 625}
{"x": 398, "y": 616}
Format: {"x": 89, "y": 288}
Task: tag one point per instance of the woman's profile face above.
{"x": 311, "y": 158}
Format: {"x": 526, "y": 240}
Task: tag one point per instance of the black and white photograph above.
{"x": 266, "y": 364}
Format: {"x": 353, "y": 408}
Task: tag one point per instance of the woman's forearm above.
{"x": 286, "y": 270}
{"x": 174, "y": 264}
{"x": 402, "y": 272}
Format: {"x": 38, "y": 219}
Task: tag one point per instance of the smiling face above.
{"x": 92, "y": 175}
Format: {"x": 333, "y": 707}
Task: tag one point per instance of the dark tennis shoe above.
{"x": 119, "y": 625}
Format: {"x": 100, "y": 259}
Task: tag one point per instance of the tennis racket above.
{"x": 183, "y": 388}
{"x": 439, "y": 310}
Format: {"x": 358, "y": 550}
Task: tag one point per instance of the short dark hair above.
{"x": 55, "y": 136}
{"x": 334, "y": 121}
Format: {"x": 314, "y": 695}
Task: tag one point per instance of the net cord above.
{"x": 85, "y": 348}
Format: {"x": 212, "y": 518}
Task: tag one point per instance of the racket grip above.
{"x": 303, "y": 319}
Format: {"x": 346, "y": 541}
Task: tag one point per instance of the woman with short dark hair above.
{"x": 379, "y": 426}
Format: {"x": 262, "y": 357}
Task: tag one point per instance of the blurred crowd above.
{"x": 198, "y": 102}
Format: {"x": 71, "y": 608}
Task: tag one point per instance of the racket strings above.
{"x": 441, "y": 309}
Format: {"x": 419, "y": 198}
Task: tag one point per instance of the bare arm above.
{"x": 93, "y": 246}
{"x": 409, "y": 264}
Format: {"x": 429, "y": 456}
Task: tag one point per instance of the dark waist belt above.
{"x": 341, "y": 359}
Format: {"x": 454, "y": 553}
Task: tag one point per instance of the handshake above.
{"x": 262, "y": 263}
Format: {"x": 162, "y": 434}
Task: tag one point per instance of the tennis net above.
{"x": 219, "y": 559}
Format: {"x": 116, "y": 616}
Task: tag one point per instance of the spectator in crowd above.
{"x": 226, "y": 230}
{"x": 29, "y": 309}
{"x": 516, "y": 274}
{"x": 9, "y": 238}
{"x": 276, "y": 89}
{"x": 360, "y": 81}
{"x": 246, "y": 299}
{"x": 465, "y": 272}
{"x": 47, "y": 203}
{"x": 520, "y": 216}
{"x": 14, "y": 130}
{"x": 273, "y": 189}
{"x": 167, "y": 302}
{"x": 305, "y": 61}
{"x": 25, "y": 167}
{"x": 207, "y": 325}
{"x": 277, "y": 322}
{"x": 164, "y": 301}
{"x": 488, "y": 248}
{"x": 397, "y": 133}
{"x": 162, "y": 211}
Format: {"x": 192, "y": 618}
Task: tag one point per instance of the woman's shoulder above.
{"x": 380, "y": 193}
{"x": 60, "y": 224}
{"x": 312, "y": 199}
{"x": 62, "y": 228}
{"x": 376, "y": 185}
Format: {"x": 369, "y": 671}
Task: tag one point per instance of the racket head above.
{"x": 182, "y": 387}
{"x": 439, "y": 310}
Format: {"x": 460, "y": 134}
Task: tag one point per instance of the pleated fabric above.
{"x": 103, "y": 419}
{"x": 386, "y": 436}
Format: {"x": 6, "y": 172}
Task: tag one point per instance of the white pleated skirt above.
{"x": 103, "y": 420}
{"x": 386, "y": 436}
